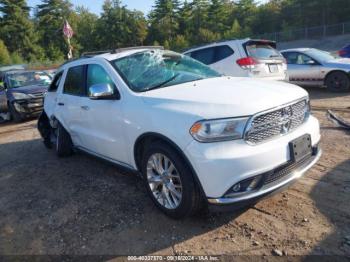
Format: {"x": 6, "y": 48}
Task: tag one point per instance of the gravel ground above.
{"x": 82, "y": 206}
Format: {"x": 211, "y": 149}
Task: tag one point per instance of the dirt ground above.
{"x": 84, "y": 206}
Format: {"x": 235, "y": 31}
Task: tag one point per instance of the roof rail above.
{"x": 119, "y": 50}
{"x": 94, "y": 53}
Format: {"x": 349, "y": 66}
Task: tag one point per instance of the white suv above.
{"x": 243, "y": 58}
{"x": 196, "y": 137}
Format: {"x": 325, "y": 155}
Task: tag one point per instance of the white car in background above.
{"x": 196, "y": 137}
{"x": 243, "y": 58}
{"x": 314, "y": 67}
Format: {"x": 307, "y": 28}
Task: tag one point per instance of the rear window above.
{"x": 261, "y": 50}
{"x": 212, "y": 55}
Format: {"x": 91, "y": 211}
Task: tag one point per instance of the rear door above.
{"x": 271, "y": 63}
{"x": 68, "y": 103}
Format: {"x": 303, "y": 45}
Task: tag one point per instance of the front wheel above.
{"x": 169, "y": 182}
{"x": 338, "y": 82}
{"x": 15, "y": 116}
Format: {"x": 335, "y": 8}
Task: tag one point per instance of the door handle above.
{"x": 61, "y": 104}
{"x": 86, "y": 108}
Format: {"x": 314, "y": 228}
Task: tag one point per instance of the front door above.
{"x": 303, "y": 70}
{"x": 103, "y": 123}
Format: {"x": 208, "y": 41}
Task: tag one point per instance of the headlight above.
{"x": 219, "y": 130}
{"x": 19, "y": 96}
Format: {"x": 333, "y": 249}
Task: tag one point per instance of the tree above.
{"x": 4, "y": 54}
{"x": 179, "y": 43}
{"x": 164, "y": 20}
{"x": 17, "y": 30}
{"x": 50, "y": 19}
{"x": 86, "y": 29}
{"x": 120, "y": 27}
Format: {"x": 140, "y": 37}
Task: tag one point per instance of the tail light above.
{"x": 247, "y": 62}
{"x": 342, "y": 52}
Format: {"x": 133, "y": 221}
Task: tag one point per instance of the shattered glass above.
{"x": 158, "y": 68}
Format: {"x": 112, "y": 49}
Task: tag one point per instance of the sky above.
{"x": 95, "y": 6}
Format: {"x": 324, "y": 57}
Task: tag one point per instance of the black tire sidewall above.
{"x": 331, "y": 88}
{"x": 63, "y": 144}
{"x": 187, "y": 203}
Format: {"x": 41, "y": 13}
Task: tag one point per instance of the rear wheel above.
{"x": 338, "y": 82}
{"x": 169, "y": 182}
{"x": 64, "y": 145}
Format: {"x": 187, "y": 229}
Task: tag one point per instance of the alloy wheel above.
{"x": 164, "y": 181}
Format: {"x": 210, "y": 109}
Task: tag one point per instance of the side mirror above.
{"x": 103, "y": 92}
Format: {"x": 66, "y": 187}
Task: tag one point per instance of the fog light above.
{"x": 254, "y": 184}
{"x": 236, "y": 188}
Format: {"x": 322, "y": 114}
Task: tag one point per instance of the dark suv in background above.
{"x": 22, "y": 93}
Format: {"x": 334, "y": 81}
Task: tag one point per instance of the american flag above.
{"x": 67, "y": 30}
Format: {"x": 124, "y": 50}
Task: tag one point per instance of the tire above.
{"x": 338, "y": 82}
{"x": 64, "y": 145}
{"x": 191, "y": 201}
{"x": 45, "y": 130}
{"x": 15, "y": 116}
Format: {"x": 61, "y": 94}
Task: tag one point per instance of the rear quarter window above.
{"x": 56, "y": 82}
{"x": 212, "y": 55}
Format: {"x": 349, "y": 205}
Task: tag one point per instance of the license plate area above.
{"x": 300, "y": 148}
{"x": 273, "y": 68}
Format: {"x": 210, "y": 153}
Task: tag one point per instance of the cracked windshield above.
{"x": 155, "y": 69}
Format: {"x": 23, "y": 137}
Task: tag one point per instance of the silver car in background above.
{"x": 313, "y": 67}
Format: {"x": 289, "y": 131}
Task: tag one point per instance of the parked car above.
{"x": 22, "y": 93}
{"x": 196, "y": 137}
{"x": 313, "y": 67}
{"x": 345, "y": 51}
{"x": 243, "y": 58}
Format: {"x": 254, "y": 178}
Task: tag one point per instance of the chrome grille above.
{"x": 281, "y": 121}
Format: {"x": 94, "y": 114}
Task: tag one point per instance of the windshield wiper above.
{"x": 163, "y": 83}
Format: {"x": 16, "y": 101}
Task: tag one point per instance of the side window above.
{"x": 222, "y": 52}
{"x": 291, "y": 58}
{"x": 304, "y": 59}
{"x": 56, "y": 82}
{"x": 294, "y": 58}
{"x": 206, "y": 56}
{"x": 97, "y": 75}
{"x": 75, "y": 84}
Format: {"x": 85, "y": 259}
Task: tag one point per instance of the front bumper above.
{"x": 290, "y": 175}
{"x": 29, "y": 107}
{"x": 220, "y": 166}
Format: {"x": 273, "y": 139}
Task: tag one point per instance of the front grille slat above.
{"x": 278, "y": 122}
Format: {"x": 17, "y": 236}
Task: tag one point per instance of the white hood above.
{"x": 224, "y": 97}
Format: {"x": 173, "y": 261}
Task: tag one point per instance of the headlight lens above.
{"x": 19, "y": 96}
{"x": 219, "y": 130}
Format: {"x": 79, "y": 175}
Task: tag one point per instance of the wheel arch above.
{"x": 334, "y": 71}
{"x": 145, "y": 139}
